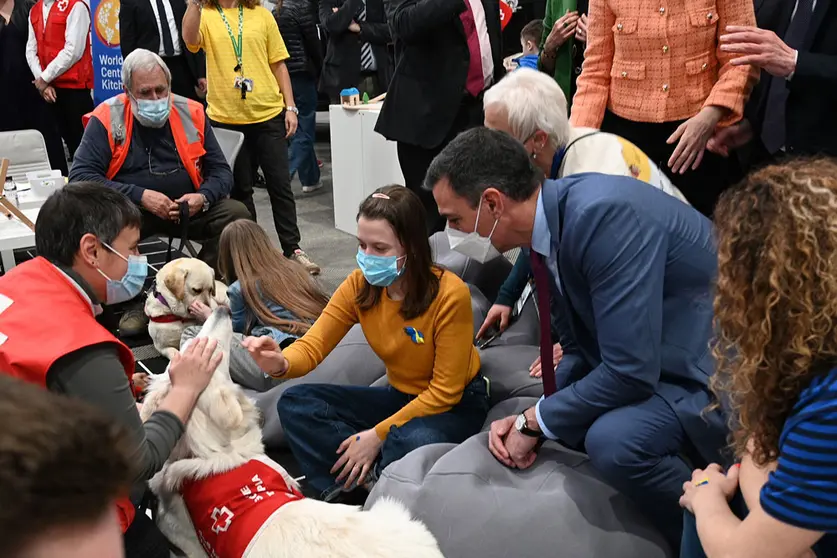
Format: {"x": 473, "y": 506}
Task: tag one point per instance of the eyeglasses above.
{"x": 165, "y": 145}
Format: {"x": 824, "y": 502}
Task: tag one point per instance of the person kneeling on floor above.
{"x": 418, "y": 320}
{"x": 159, "y": 150}
{"x": 86, "y": 237}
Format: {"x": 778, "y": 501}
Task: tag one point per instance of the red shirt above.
{"x": 230, "y": 509}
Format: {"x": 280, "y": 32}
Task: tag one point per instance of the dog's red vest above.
{"x": 43, "y": 317}
{"x": 230, "y": 509}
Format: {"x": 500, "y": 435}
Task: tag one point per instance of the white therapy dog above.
{"x": 179, "y": 283}
{"x": 220, "y": 473}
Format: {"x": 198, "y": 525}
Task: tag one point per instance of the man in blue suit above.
{"x": 633, "y": 269}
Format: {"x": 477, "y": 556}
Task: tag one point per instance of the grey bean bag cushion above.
{"x": 487, "y": 277}
{"x": 478, "y": 508}
{"x": 352, "y": 362}
{"x": 524, "y": 330}
{"x": 507, "y": 370}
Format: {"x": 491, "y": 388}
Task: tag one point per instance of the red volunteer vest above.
{"x": 43, "y": 317}
{"x": 50, "y": 41}
{"x": 230, "y": 509}
{"x": 187, "y": 120}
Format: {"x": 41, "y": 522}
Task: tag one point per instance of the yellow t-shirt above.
{"x": 435, "y": 368}
{"x": 263, "y": 46}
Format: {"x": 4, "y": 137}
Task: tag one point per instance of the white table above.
{"x": 361, "y": 159}
{"x": 14, "y": 235}
{"x": 27, "y": 199}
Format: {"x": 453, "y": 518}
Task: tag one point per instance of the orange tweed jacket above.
{"x": 660, "y": 61}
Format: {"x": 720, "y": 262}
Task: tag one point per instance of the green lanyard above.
{"x": 237, "y": 45}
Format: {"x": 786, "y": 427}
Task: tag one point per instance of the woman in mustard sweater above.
{"x": 418, "y": 320}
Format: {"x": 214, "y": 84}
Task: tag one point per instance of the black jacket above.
{"x": 299, "y": 31}
{"x": 138, "y": 29}
{"x": 341, "y": 68}
{"x": 432, "y": 59}
{"x": 811, "y": 113}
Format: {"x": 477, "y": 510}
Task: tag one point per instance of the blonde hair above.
{"x": 776, "y": 298}
{"x": 247, "y": 256}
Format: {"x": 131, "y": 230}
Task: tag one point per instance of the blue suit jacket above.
{"x": 637, "y": 269}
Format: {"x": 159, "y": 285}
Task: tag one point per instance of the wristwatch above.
{"x": 522, "y": 426}
{"x": 293, "y": 110}
{"x": 205, "y": 203}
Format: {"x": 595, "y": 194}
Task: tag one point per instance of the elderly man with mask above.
{"x": 159, "y": 150}
{"x": 631, "y": 269}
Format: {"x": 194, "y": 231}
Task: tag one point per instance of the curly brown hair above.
{"x": 776, "y": 298}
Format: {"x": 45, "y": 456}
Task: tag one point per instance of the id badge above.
{"x": 237, "y": 82}
{"x": 247, "y": 84}
{"x": 521, "y": 302}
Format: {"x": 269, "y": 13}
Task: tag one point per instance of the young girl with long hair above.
{"x": 776, "y": 307}
{"x": 269, "y": 295}
{"x": 418, "y": 320}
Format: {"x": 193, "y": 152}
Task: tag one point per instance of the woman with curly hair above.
{"x": 776, "y": 307}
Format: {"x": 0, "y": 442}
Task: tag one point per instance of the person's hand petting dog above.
{"x": 192, "y": 369}
{"x": 557, "y": 352}
{"x": 267, "y": 354}
{"x": 358, "y": 455}
{"x": 200, "y": 310}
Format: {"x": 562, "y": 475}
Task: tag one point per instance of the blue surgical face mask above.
{"x": 153, "y": 113}
{"x": 380, "y": 271}
{"x": 131, "y": 284}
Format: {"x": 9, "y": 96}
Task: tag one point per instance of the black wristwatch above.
{"x": 522, "y": 426}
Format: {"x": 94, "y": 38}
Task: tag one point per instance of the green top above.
{"x": 555, "y": 9}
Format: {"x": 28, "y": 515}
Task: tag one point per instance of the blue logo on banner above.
{"x": 107, "y": 57}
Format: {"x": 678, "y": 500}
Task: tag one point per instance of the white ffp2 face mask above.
{"x": 476, "y": 247}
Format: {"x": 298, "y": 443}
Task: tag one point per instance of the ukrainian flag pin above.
{"x": 415, "y": 335}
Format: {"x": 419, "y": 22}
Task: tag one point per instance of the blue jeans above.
{"x": 301, "y": 156}
{"x": 317, "y": 418}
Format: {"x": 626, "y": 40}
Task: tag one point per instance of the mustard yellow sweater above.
{"x": 435, "y": 370}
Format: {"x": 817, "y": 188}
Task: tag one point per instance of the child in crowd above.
{"x": 269, "y": 294}
{"x": 775, "y": 305}
{"x": 530, "y": 38}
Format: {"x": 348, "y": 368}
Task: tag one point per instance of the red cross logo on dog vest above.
{"x": 230, "y": 509}
{"x": 223, "y": 519}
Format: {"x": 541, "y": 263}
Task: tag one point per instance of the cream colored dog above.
{"x": 213, "y": 504}
{"x": 179, "y": 283}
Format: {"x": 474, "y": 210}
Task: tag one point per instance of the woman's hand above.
{"x": 267, "y": 354}
{"x": 563, "y": 29}
{"x": 200, "y": 310}
{"x": 192, "y": 369}
{"x": 358, "y": 457}
{"x": 693, "y": 135}
{"x": 581, "y": 30}
{"x": 291, "y": 123}
{"x": 557, "y": 352}
{"x": 709, "y": 483}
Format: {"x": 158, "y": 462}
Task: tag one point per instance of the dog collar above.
{"x": 170, "y": 319}
{"x": 161, "y": 299}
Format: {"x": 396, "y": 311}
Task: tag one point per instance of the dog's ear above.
{"x": 225, "y": 411}
{"x": 176, "y": 282}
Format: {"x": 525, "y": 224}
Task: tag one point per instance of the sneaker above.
{"x": 133, "y": 322}
{"x": 312, "y": 188}
{"x": 319, "y": 163}
{"x": 302, "y": 258}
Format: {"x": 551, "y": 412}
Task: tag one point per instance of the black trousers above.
{"x": 205, "y": 228}
{"x": 143, "y": 539}
{"x": 415, "y": 160}
{"x": 702, "y": 186}
{"x": 183, "y": 81}
{"x": 70, "y": 105}
{"x": 265, "y": 146}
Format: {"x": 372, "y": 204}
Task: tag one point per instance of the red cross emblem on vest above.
{"x": 222, "y": 519}
{"x": 62, "y": 5}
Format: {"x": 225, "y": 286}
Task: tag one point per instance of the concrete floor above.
{"x": 332, "y": 249}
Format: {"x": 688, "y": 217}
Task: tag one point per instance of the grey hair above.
{"x": 142, "y": 59}
{"x": 533, "y": 101}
